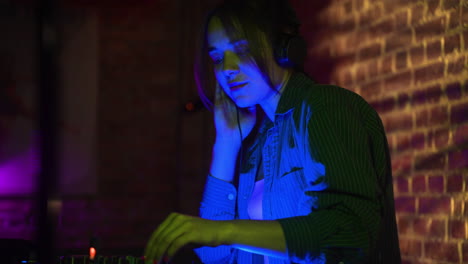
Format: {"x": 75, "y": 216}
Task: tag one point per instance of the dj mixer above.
{"x": 85, "y": 259}
{"x": 77, "y": 259}
{"x": 17, "y": 251}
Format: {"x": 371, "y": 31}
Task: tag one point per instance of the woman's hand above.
{"x": 179, "y": 230}
{"x": 228, "y": 137}
{"x": 226, "y": 121}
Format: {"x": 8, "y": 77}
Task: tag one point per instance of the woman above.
{"x": 313, "y": 183}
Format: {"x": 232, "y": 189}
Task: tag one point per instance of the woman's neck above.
{"x": 269, "y": 106}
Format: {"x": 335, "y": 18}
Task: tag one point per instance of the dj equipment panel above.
{"x": 18, "y": 251}
{"x": 77, "y": 259}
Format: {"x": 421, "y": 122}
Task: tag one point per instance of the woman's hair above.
{"x": 260, "y": 22}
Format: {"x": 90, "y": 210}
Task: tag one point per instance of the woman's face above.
{"x": 235, "y": 69}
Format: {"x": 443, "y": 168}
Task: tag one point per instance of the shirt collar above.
{"x": 293, "y": 92}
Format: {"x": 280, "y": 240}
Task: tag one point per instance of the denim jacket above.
{"x": 327, "y": 177}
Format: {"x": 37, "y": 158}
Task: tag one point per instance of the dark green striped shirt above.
{"x": 328, "y": 180}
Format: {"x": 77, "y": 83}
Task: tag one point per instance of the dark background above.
{"x": 130, "y": 152}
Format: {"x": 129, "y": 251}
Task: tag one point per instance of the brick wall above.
{"x": 409, "y": 60}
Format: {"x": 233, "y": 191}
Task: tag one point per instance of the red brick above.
{"x": 405, "y": 205}
{"x": 436, "y": 184}
{"x": 441, "y": 138}
{"x": 429, "y": 227}
{"x": 464, "y": 34}
{"x": 458, "y": 159}
{"x": 391, "y": 142}
{"x": 465, "y": 251}
{"x": 432, "y": 6}
{"x": 430, "y": 139}
{"x": 454, "y": 19}
{"x": 456, "y": 66}
{"x": 459, "y": 114}
{"x": 347, "y": 7}
{"x": 417, "y": 14}
{"x": 371, "y": 89}
{"x": 401, "y": 60}
{"x": 437, "y": 228}
{"x": 450, "y": 4}
{"x": 422, "y": 118}
{"x": 457, "y": 208}
{"x": 460, "y": 136}
{"x": 346, "y": 78}
{"x": 385, "y": 105}
{"x": 434, "y": 50}
{"x": 352, "y": 41}
{"x": 439, "y": 115}
{"x": 453, "y": 91}
{"x": 434, "y": 205}
{"x": 398, "y": 82}
{"x": 358, "y": 4}
{"x": 390, "y": 6}
{"x": 370, "y": 15}
{"x": 347, "y": 24}
{"x": 418, "y": 141}
{"x": 455, "y": 183}
{"x": 419, "y": 184}
{"x": 401, "y": 165}
{"x": 432, "y": 28}
{"x": 433, "y": 93}
{"x": 458, "y": 229}
{"x": 373, "y": 68}
{"x": 429, "y": 94}
{"x": 402, "y": 142}
{"x": 434, "y": 161}
{"x": 361, "y": 73}
{"x": 452, "y": 44}
{"x": 370, "y": 52}
{"x": 429, "y": 73}
{"x": 418, "y": 97}
{"x": 464, "y": 16}
{"x": 404, "y": 225}
{"x": 386, "y": 65}
{"x": 466, "y": 207}
{"x": 403, "y": 100}
{"x": 402, "y": 185}
{"x": 399, "y": 40}
{"x": 401, "y": 19}
{"x": 410, "y": 247}
{"x": 421, "y": 226}
{"x": 399, "y": 122}
{"x": 383, "y": 27}
{"x": 417, "y": 55}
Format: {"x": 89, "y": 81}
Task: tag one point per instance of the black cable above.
{"x": 241, "y": 137}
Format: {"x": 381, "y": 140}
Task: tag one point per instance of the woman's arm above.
{"x": 177, "y": 231}
{"x": 256, "y": 236}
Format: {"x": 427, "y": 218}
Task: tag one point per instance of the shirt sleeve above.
{"x": 345, "y": 218}
{"x": 218, "y": 203}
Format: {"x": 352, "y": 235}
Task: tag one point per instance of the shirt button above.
{"x": 231, "y": 196}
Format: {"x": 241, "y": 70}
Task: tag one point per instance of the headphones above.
{"x": 290, "y": 51}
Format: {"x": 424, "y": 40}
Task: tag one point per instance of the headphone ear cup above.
{"x": 291, "y": 51}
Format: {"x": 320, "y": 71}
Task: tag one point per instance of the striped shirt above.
{"x": 327, "y": 180}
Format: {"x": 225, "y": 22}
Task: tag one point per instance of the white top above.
{"x": 255, "y": 208}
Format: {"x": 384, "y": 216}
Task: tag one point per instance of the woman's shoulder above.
{"x": 329, "y": 95}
